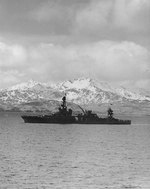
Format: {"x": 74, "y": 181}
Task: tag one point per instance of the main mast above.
{"x": 63, "y": 105}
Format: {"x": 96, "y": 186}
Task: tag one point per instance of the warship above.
{"x": 65, "y": 116}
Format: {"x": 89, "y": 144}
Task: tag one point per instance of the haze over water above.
{"x": 73, "y": 156}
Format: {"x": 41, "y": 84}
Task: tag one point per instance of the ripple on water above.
{"x": 73, "y": 156}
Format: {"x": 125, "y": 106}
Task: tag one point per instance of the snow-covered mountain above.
{"x": 106, "y": 91}
{"x": 83, "y": 91}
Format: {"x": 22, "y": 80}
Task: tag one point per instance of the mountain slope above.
{"x": 34, "y": 96}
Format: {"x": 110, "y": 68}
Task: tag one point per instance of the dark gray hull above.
{"x": 72, "y": 120}
{"x": 48, "y": 119}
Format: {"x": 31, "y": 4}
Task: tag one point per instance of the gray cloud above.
{"x": 105, "y": 60}
{"x": 119, "y": 19}
{"x": 46, "y": 17}
{"x": 63, "y": 39}
{"x": 77, "y": 21}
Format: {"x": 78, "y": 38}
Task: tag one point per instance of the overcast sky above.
{"x": 55, "y": 40}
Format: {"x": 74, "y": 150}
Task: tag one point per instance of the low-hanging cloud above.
{"x": 103, "y": 60}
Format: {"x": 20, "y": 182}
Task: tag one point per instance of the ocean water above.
{"x": 48, "y": 156}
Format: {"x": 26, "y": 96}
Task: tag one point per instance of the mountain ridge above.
{"x": 83, "y": 91}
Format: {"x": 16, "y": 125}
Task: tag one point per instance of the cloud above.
{"x": 56, "y": 16}
{"x": 96, "y": 38}
{"x": 143, "y": 83}
{"x": 103, "y": 60}
{"x": 132, "y": 15}
{"x": 9, "y": 78}
{"x": 97, "y": 14}
{"x": 11, "y": 55}
{"x": 76, "y": 21}
{"x": 118, "y": 19}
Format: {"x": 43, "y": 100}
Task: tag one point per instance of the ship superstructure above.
{"x": 64, "y": 116}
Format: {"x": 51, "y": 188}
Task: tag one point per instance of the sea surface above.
{"x": 48, "y": 156}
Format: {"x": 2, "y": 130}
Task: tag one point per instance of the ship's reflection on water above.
{"x": 73, "y": 156}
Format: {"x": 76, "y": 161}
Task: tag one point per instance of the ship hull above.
{"x": 72, "y": 120}
{"x": 48, "y": 119}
